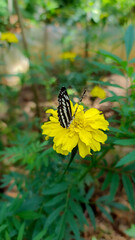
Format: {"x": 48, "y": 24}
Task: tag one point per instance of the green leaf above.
{"x": 114, "y": 185}
{"x": 110, "y": 55}
{"x": 130, "y": 167}
{"x": 112, "y": 99}
{"x": 129, "y": 190}
{"x": 40, "y": 235}
{"x": 91, "y": 215}
{"x": 90, "y": 193}
{"x": 109, "y": 68}
{"x": 54, "y": 215}
{"x": 125, "y": 142}
{"x": 112, "y": 129}
{"x": 57, "y": 188}
{"x": 2, "y": 227}
{"x": 50, "y": 237}
{"x": 21, "y": 232}
{"x": 129, "y": 39}
{"x": 3, "y": 213}
{"x": 126, "y": 159}
{"x": 94, "y": 238}
{"x": 119, "y": 206}
{"x": 77, "y": 210}
{"x": 7, "y": 237}
{"x": 107, "y": 180}
{"x": 60, "y": 229}
{"x": 103, "y": 210}
{"x": 73, "y": 225}
{"x": 106, "y": 83}
{"x": 29, "y": 215}
{"x": 131, "y": 231}
{"x": 55, "y": 200}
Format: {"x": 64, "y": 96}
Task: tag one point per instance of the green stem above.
{"x": 74, "y": 151}
{"x": 93, "y": 163}
{"x": 66, "y": 208}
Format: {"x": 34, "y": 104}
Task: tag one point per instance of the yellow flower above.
{"x": 68, "y": 55}
{"x": 9, "y": 37}
{"x": 85, "y": 131}
{"x": 98, "y": 92}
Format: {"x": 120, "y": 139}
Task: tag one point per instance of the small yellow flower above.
{"x": 68, "y": 55}
{"x": 8, "y": 37}
{"x": 85, "y": 131}
{"x": 98, "y": 92}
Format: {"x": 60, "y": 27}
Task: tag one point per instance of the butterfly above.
{"x": 64, "y": 108}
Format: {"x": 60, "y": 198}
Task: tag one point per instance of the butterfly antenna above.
{"x": 79, "y": 102}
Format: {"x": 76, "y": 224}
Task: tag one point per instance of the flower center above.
{"x": 78, "y": 121}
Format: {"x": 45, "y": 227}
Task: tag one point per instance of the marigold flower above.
{"x": 98, "y": 92}
{"x": 9, "y": 37}
{"x": 85, "y": 131}
{"x": 68, "y": 55}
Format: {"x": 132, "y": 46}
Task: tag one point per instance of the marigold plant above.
{"x": 98, "y": 92}
{"x": 85, "y": 131}
{"x": 68, "y": 55}
{"x": 9, "y": 37}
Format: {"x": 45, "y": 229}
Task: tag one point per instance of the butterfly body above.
{"x": 64, "y": 108}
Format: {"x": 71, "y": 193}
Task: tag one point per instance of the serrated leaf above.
{"x": 40, "y": 235}
{"x": 90, "y": 193}
{"x": 77, "y": 210}
{"x": 53, "y": 216}
{"x": 60, "y": 230}
{"x": 73, "y": 225}
{"x": 119, "y": 206}
{"x": 91, "y": 215}
{"x": 125, "y": 142}
{"x": 129, "y": 39}
{"x": 127, "y": 159}
{"x": 58, "y": 188}
{"x": 131, "y": 231}
{"x": 55, "y": 200}
{"x": 21, "y": 232}
{"x": 114, "y": 185}
{"x": 104, "y": 211}
{"x": 112, "y": 99}
{"x": 130, "y": 167}
{"x": 129, "y": 190}
{"x": 107, "y": 181}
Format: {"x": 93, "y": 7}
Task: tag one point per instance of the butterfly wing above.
{"x": 64, "y": 108}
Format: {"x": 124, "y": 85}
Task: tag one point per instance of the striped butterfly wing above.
{"x": 64, "y": 108}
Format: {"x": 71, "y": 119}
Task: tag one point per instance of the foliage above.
{"x": 131, "y": 231}
{"x": 46, "y": 196}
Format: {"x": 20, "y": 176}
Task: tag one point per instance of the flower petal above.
{"x": 85, "y": 136}
{"x": 83, "y": 149}
{"x": 99, "y": 136}
{"x": 70, "y": 142}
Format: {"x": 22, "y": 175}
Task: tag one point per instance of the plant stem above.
{"x": 74, "y": 151}
{"x": 93, "y": 163}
